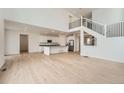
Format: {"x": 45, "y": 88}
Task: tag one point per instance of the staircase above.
{"x": 94, "y": 27}
{"x": 109, "y": 39}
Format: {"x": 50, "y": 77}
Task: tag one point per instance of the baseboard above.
{"x": 106, "y": 59}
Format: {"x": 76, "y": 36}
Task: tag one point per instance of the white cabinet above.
{"x": 55, "y": 49}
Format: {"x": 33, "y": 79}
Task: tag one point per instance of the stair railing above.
{"x": 93, "y": 25}
{"x": 108, "y": 30}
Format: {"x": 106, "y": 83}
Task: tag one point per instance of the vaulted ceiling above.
{"x": 87, "y": 12}
{"x": 17, "y": 26}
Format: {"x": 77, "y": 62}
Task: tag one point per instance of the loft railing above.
{"x": 110, "y": 30}
{"x": 97, "y": 27}
{"x": 115, "y": 30}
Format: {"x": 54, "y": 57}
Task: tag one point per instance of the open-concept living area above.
{"x": 61, "y": 45}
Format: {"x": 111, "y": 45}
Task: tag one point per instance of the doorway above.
{"x": 71, "y": 45}
{"x": 23, "y": 43}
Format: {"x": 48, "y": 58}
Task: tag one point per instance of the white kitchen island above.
{"x": 55, "y": 49}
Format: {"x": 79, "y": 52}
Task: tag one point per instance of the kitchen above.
{"x": 39, "y": 40}
{"x": 53, "y": 47}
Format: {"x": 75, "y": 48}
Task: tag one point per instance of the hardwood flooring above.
{"x": 68, "y": 68}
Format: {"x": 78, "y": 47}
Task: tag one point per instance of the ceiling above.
{"x": 17, "y": 26}
{"x": 87, "y": 12}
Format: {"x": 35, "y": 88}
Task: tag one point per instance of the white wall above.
{"x": 123, "y": 15}
{"x": 1, "y": 39}
{"x": 62, "y": 40}
{"x": 77, "y": 41}
{"x": 106, "y": 48}
{"x": 35, "y": 38}
{"x": 57, "y": 19}
{"x": 107, "y": 15}
{"x": 12, "y": 41}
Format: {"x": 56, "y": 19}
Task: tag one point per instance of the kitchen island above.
{"x": 55, "y": 49}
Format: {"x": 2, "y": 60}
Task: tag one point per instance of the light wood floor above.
{"x": 60, "y": 68}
